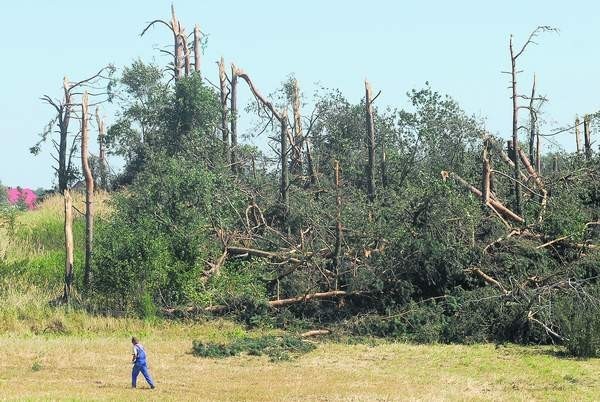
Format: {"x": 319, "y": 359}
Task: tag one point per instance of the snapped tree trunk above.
{"x": 532, "y": 126}
{"x": 587, "y": 142}
{"x": 285, "y": 178}
{"x": 177, "y": 47}
{"x": 297, "y": 146}
{"x": 224, "y": 123}
{"x": 234, "y": 116}
{"x": 63, "y": 128}
{"x": 68, "y": 227}
{"x": 486, "y": 173}
{"x": 515, "y": 129}
{"x": 102, "y": 150}
{"x": 197, "y": 48}
{"x": 370, "y": 142}
{"x": 577, "y": 134}
{"x": 89, "y": 194}
{"x": 311, "y": 166}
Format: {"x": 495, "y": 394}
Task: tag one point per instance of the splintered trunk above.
{"x": 68, "y": 226}
{"x": 224, "y": 125}
{"x": 89, "y": 194}
{"x": 370, "y": 142}
{"x": 538, "y": 154}
{"x": 197, "y": 48}
{"x": 285, "y": 179}
{"x": 63, "y": 128}
{"x": 532, "y": 126}
{"x": 234, "y": 116}
{"x": 338, "y": 226}
{"x": 297, "y": 146}
{"x": 587, "y": 137}
{"x": 186, "y": 52}
{"x": 515, "y": 130}
{"x": 577, "y": 135}
{"x": 177, "y": 47}
{"x": 102, "y": 150}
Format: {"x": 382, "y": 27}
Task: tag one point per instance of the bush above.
{"x": 579, "y": 322}
{"x": 278, "y": 348}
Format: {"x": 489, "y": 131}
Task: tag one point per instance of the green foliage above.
{"x": 578, "y": 319}
{"x": 278, "y": 348}
{"x": 156, "y": 240}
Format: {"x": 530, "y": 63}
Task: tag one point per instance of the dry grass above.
{"x": 97, "y": 368}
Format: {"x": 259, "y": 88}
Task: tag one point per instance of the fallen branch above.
{"x": 313, "y": 296}
{"x": 263, "y": 254}
{"x": 492, "y": 202}
{"x": 488, "y": 279}
{"x": 315, "y": 332}
{"x": 552, "y": 242}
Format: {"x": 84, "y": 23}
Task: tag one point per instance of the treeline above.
{"x": 413, "y": 223}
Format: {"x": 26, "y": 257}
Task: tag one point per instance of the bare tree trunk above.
{"x": 577, "y": 135}
{"x": 234, "y": 116}
{"x": 532, "y": 125}
{"x": 370, "y": 142}
{"x": 538, "y": 153}
{"x": 285, "y": 178}
{"x": 186, "y": 52}
{"x": 63, "y": 128}
{"x": 297, "y": 146}
{"x": 177, "y": 48}
{"x": 89, "y": 193}
{"x": 587, "y": 137}
{"x": 102, "y": 150}
{"x": 224, "y": 123}
{"x": 555, "y": 166}
{"x": 68, "y": 226}
{"x": 197, "y": 48}
{"x": 338, "y": 226}
{"x": 515, "y": 128}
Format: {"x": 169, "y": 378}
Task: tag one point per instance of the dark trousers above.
{"x": 137, "y": 368}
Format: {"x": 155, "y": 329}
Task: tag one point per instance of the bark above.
{"x": 370, "y": 142}
{"x": 197, "y": 48}
{"x": 555, "y": 163}
{"x": 577, "y": 135}
{"x": 186, "y": 52}
{"x": 102, "y": 150}
{"x": 538, "y": 153}
{"x": 497, "y": 205}
{"x": 515, "y": 129}
{"x": 224, "y": 123}
{"x": 234, "y": 116}
{"x": 587, "y": 143}
{"x": 297, "y": 146}
{"x": 89, "y": 194}
{"x": 68, "y": 228}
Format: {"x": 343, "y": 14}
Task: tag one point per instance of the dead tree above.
{"x": 89, "y": 193}
{"x": 514, "y": 55}
{"x": 587, "y": 143}
{"x": 64, "y": 111}
{"x": 68, "y": 227}
{"x": 281, "y": 117}
{"x": 102, "y": 151}
{"x": 577, "y": 135}
{"x": 297, "y": 146}
{"x": 224, "y": 124}
{"x": 532, "y": 125}
{"x": 370, "y": 142}
{"x": 197, "y": 48}
{"x": 234, "y": 116}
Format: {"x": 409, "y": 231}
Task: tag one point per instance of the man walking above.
{"x": 139, "y": 364}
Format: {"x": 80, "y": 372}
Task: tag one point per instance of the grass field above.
{"x": 96, "y": 367}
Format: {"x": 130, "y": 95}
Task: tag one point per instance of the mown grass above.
{"x": 97, "y": 368}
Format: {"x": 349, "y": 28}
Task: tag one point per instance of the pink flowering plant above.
{"x": 21, "y": 197}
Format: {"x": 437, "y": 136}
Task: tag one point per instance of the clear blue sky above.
{"x": 460, "y": 47}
